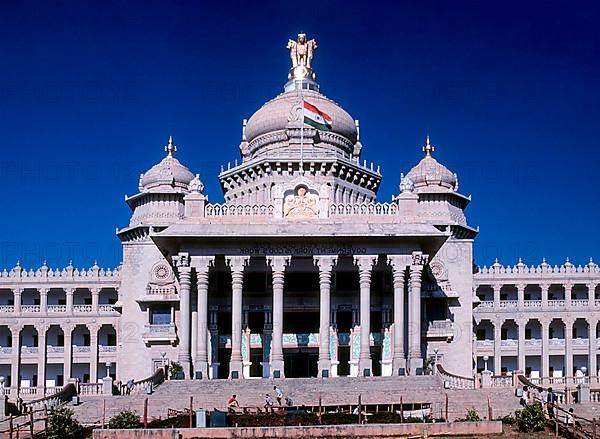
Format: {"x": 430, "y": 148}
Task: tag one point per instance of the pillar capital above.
{"x": 278, "y": 263}
{"x": 365, "y": 262}
{"x": 325, "y": 263}
{"x": 202, "y": 263}
{"x": 182, "y": 260}
{"x": 419, "y": 259}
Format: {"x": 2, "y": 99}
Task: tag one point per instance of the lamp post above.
{"x": 164, "y": 364}
{"x": 107, "y": 364}
{"x": 485, "y": 360}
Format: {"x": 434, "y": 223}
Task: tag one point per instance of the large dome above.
{"x": 275, "y": 115}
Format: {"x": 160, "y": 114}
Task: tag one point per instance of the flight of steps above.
{"x": 332, "y": 391}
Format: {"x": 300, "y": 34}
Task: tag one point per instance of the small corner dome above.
{"x": 169, "y": 174}
{"x": 431, "y": 174}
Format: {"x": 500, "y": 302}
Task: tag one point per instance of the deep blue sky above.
{"x": 508, "y": 90}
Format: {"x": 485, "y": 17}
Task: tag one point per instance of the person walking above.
{"x": 278, "y": 394}
{"x": 268, "y": 402}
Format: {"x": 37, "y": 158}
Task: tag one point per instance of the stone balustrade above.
{"x": 520, "y": 269}
{"x": 50, "y": 275}
{"x": 224, "y": 209}
{"x": 363, "y": 209}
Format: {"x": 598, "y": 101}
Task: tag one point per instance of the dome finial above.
{"x": 428, "y": 148}
{"x": 170, "y": 148}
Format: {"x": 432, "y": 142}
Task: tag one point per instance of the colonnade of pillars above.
{"x": 400, "y": 264}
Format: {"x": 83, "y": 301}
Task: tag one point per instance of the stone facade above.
{"x": 300, "y": 272}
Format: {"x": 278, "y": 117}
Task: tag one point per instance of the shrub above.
{"x": 472, "y": 416}
{"x": 532, "y": 418}
{"x": 125, "y": 419}
{"x": 62, "y": 425}
{"x": 174, "y": 370}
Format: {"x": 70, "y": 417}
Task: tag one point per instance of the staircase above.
{"x": 211, "y": 394}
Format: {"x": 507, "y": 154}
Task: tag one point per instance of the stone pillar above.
{"x": 325, "y": 264}
{"x": 497, "y": 346}
{"x": 399, "y": 264}
{"x": 544, "y": 288}
{"x": 593, "y": 348}
{"x": 237, "y": 265}
{"x": 521, "y": 296}
{"x": 184, "y": 357}
{"x": 568, "y": 350}
{"x": 545, "y": 350}
{"x": 17, "y": 297}
{"x": 266, "y": 341}
{"x": 69, "y": 299}
{"x": 415, "y": 361}
{"x": 93, "y": 328}
{"x": 43, "y": 300}
{"x": 521, "y": 347}
{"x": 568, "y": 287}
{"x": 68, "y": 352}
{"x": 95, "y": 299}
{"x": 497, "y": 295}
{"x": 202, "y": 266}
{"x": 15, "y": 359}
{"x": 278, "y": 265}
{"x": 214, "y": 342}
{"x": 591, "y": 287}
{"x": 365, "y": 266}
{"x": 41, "y": 371}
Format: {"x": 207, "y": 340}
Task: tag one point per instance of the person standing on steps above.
{"x": 232, "y": 403}
{"x": 268, "y": 402}
{"x": 278, "y": 394}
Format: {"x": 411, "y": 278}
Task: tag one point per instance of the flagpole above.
{"x": 301, "y": 131}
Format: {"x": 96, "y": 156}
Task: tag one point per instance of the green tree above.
{"x": 532, "y": 418}
{"x": 62, "y": 425}
{"x": 126, "y": 419}
{"x": 472, "y": 416}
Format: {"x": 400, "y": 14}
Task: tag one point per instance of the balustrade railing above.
{"x": 486, "y": 304}
{"x": 81, "y": 349}
{"x": 556, "y": 342}
{"x": 502, "y": 381}
{"x": 363, "y": 209}
{"x": 532, "y": 303}
{"x": 557, "y": 302}
{"x": 579, "y": 302}
{"x": 90, "y": 388}
{"x": 216, "y": 209}
{"x": 30, "y": 308}
{"x": 6, "y": 350}
{"x": 105, "y": 308}
{"x": 509, "y": 303}
{"x": 29, "y": 350}
{"x": 55, "y": 349}
{"x": 57, "y": 308}
{"x": 509, "y": 343}
{"x": 7, "y": 309}
{"x": 61, "y": 396}
{"x": 455, "y": 381}
{"x": 533, "y": 342}
{"x": 106, "y": 349}
{"x": 82, "y": 308}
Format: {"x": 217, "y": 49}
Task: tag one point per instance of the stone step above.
{"x": 210, "y": 394}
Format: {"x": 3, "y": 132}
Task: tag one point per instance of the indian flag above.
{"x": 316, "y": 118}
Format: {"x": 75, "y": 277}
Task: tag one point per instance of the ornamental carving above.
{"x": 439, "y": 271}
{"x": 162, "y": 280}
{"x": 301, "y": 204}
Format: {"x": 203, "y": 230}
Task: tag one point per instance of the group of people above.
{"x": 232, "y": 402}
{"x": 549, "y": 400}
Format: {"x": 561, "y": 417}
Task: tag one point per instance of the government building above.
{"x": 300, "y": 272}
